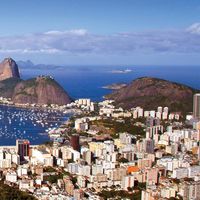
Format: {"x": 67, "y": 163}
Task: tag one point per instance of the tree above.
{"x": 123, "y": 160}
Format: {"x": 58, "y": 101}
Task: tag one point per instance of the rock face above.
{"x": 150, "y": 93}
{"x": 7, "y": 87}
{"x": 8, "y": 69}
{"x": 40, "y": 90}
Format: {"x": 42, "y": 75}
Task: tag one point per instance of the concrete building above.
{"x": 190, "y": 190}
{"x": 146, "y": 113}
{"x": 87, "y": 156}
{"x": 74, "y": 142}
{"x": 164, "y": 115}
{"x": 166, "y": 110}
{"x": 69, "y": 187}
{"x": 97, "y": 169}
{"x": 168, "y": 192}
{"x": 41, "y": 157}
{"x": 125, "y": 138}
{"x": 11, "y": 177}
{"x": 159, "y": 109}
{"x": 180, "y": 173}
{"x": 152, "y": 113}
{"x": 24, "y": 185}
{"x": 193, "y": 171}
{"x": 152, "y": 176}
{"x": 78, "y": 194}
{"x": 23, "y": 148}
{"x": 149, "y": 146}
{"x": 116, "y": 174}
{"x": 140, "y": 112}
{"x": 144, "y": 163}
{"x": 196, "y": 106}
{"x": 22, "y": 170}
{"x": 128, "y": 182}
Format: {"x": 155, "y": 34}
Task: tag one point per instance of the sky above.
{"x": 96, "y": 32}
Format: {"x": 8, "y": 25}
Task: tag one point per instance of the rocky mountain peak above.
{"x": 39, "y": 90}
{"x": 8, "y": 69}
{"x": 9, "y": 60}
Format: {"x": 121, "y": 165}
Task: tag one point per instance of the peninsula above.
{"x": 39, "y": 90}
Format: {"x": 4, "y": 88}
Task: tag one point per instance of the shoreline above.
{"x": 64, "y": 111}
{"x": 14, "y": 146}
{"x": 40, "y": 107}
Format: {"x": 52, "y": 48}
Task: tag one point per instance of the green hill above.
{"x": 150, "y": 93}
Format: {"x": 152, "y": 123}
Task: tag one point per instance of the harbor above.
{"x": 32, "y": 124}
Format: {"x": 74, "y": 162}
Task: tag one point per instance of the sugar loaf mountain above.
{"x": 150, "y": 93}
{"x": 39, "y": 90}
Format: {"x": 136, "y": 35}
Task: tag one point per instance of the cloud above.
{"x": 73, "y": 32}
{"x": 82, "y": 42}
{"x": 194, "y": 28}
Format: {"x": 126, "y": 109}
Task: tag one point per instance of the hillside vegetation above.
{"x": 150, "y": 93}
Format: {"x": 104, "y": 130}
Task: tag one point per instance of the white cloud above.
{"x": 81, "y": 42}
{"x": 194, "y": 28}
{"x": 73, "y": 31}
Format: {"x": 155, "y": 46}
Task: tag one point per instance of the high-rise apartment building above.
{"x": 74, "y": 142}
{"x": 23, "y": 148}
{"x": 196, "y": 106}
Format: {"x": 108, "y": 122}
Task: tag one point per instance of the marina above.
{"x": 31, "y": 124}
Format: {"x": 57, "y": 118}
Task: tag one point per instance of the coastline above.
{"x": 14, "y": 146}
{"x": 31, "y": 130}
{"x": 40, "y": 107}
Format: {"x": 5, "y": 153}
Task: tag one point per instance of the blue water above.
{"x": 31, "y": 124}
{"x": 86, "y": 82}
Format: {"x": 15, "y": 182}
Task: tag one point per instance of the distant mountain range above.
{"x": 39, "y": 90}
{"x": 28, "y": 64}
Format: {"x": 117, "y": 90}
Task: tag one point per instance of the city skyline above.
{"x": 100, "y": 99}
{"x": 101, "y": 32}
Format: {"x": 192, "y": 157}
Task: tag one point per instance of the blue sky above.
{"x": 160, "y": 32}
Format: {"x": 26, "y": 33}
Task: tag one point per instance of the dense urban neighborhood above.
{"x": 106, "y": 152}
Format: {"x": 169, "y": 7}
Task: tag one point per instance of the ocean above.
{"x": 87, "y": 81}
{"x": 80, "y": 82}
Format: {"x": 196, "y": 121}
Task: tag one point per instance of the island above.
{"x": 123, "y": 71}
{"x": 115, "y": 86}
